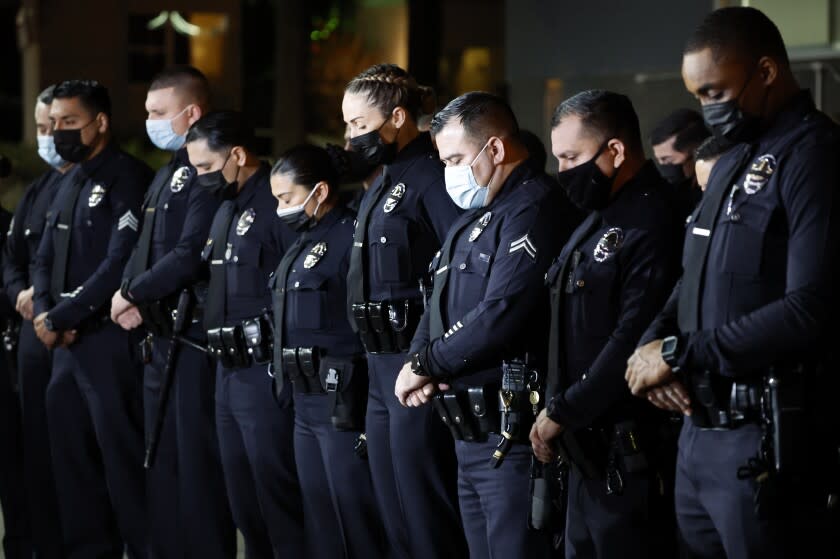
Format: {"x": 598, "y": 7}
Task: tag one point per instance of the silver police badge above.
{"x": 315, "y": 255}
{"x": 760, "y": 172}
{"x": 96, "y": 195}
{"x": 480, "y": 226}
{"x": 394, "y": 197}
{"x": 608, "y": 244}
{"x": 179, "y": 179}
{"x": 245, "y": 221}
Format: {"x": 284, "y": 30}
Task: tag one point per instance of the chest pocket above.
{"x": 594, "y": 296}
{"x": 306, "y": 302}
{"x": 172, "y": 213}
{"x": 390, "y": 254}
{"x": 469, "y": 273}
{"x": 747, "y": 236}
{"x": 247, "y": 278}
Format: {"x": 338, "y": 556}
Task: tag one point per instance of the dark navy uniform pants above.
{"x": 715, "y": 510}
{"x": 16, "y": 539}
{"x": 34, "y": 366}
{"x": 256, "y": 439}
{"x": 495, "y": 502}
{"x": 188, "y": 510}
{"x": 414, "y": 470}
{"x": 340, "y": 511}
{"x": 95, "y": 413}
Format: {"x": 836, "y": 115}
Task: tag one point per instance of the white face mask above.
{"x": 162, "y": 134}
{"x": 46, "y": 149}
{"x": 294, "y": 216}
{"x": 462, "y": 186}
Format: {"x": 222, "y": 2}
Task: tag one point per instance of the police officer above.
{"x": 245, "y": 244}
{"x": 33, "y": 359}
{"x": 755, "y": 303}
{"x": 187, "y": 505}
{"x": 323, "y": 358}
{"x": 16, "y": 534}
{"x": 488, "y": 307}
{"x": 403, "y": 218}
{"x": 94, "y": 394}
{"x": 607, "y": 284}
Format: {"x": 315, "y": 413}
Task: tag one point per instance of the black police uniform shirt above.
{"x": 7, "y": 305}
{"x": 612, "y": 277}
{"x": 766, "y": 290}
{"x": 104, "y": 229}
{"x": 316, "y": 287}
{"x": 410, "y": 216}
{"x": 183, "y": 214}
{"x": 25, "y": 233}
{"x": 494, "y": 303}
{"x": 255, "y": 243}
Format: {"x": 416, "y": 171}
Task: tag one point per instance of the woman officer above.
{"x": 403, "y": 218}
{"x": 246, "y": 243}
{"x": 323, "y": 358}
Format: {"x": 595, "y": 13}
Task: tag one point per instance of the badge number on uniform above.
{"x": 245, "y": 221}
{"x": 315, "y": 254}
{"x": 394, "y": 197}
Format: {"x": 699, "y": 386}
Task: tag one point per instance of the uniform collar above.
{"x": 647, "y": 176}
{"x": 797, "y": 108}
{"x": 420, "y": 145}
{"x": 252, "y": 186}
{"x": 91, "y": 166}
{"x": 520, "y": 174}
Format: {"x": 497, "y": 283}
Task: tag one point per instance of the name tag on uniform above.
{"x": 701, "y": 232}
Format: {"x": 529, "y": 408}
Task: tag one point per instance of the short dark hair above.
{"x": 46, "y": 96}
{"x": 481, "y": 114}
{"x": 741, "y": 31}
{"x": 187, "y": 79}
{"x": 604, "y": 114}
{"x": 308, "y": 165}
{"x": 686, "y": 125}
{"x": 387, "y": 86}
{"x": 92, "y": 95}
{"x": 222, "y": 130}
{"x": 711, "y": 148}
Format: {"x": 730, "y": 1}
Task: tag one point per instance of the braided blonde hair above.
{"x": 387, "y": 86}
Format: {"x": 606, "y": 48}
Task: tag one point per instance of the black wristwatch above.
{"x": 670, "y": 352}
{"x": 417, "y": 365}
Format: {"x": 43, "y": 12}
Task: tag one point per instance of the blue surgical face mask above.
{"x": 46, "y": 149}
{"x": 462, "y": 186}
{"x": 162, "y": 134}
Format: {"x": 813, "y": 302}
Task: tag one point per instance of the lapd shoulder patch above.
{"x": 524, "y": 243}
{"x": 480, "y": 226}
{"x": 759, "y": 173}
{"x": 608, "y": 244}
{"x": 315, "y": 254}
{"x": 128, "y": 219}
{"x": 179, "y": 179}
{"x": 96, "y": 195}
{"x": 245, "y": 221}
{"x": 394, "y": 197}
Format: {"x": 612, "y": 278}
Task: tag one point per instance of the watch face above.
{"x": 669, "y": 344}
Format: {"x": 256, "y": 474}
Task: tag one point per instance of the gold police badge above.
{"x": 760, "y": 172}
{"x": 608, "y": 244}
{"x": 315, "y": 255}
{"x": 245, "y": 221}
{"x": 96, "y": 195}
{"x": 480, "y": 226}
{"x": 394, "y": 197}
{"x": 179, "y": 179}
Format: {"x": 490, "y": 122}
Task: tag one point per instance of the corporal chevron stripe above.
{"x": 128, "y": 220}
{"x": 524, "y": 243}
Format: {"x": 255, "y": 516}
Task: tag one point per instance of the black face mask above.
{"x": 727, "y": 121}
{"x": 69, "y": 145}
{"x": 216, "y": 182}
{"x": 351, "y": 166}
{"x": 672, "y": 172}
{"x": 372, "y": 149}
{"x": 586, "y": 186}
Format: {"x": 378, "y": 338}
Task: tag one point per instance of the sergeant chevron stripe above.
{"x": 524, "y": 243}
{"x": 128, "y": 220}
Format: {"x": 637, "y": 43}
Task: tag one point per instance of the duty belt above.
{"x": 387, "y": 326}
{"x": 301, "y": 365}
{"x": 726, "y": 404}
{"x": 242, "y": 345}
